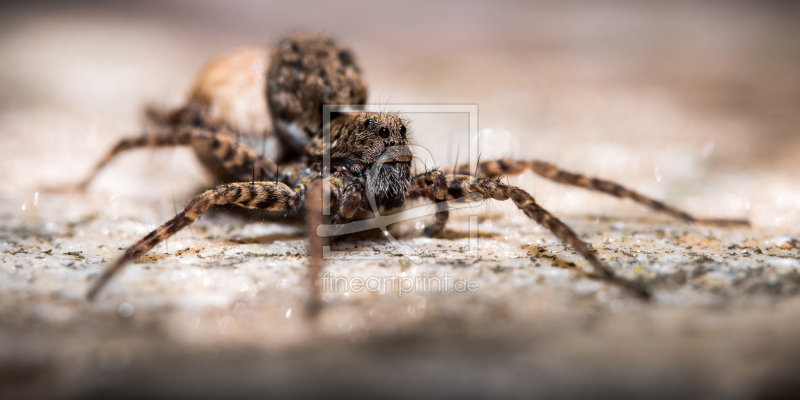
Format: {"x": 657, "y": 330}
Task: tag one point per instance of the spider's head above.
{"x": 374, "y": 145}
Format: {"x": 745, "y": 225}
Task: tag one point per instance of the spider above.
{"x": 370, "y": 155}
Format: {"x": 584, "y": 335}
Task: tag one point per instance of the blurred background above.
{"x": 697, "y": 103}
{"x": 674, "y": 97}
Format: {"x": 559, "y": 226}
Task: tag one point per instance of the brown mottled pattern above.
{"x": 352, "y": 137}
{"x": 496, "y": 168}
{"x": 432, "y": 185}
{"x": 237, "y": 159}
{"x": 268, "y": 196}
{"x": 462, "y": 185}
{"x": 305, "y": 72}
{"x": 351, "y": 202}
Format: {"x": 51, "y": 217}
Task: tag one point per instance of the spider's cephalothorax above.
{"x": 371, "y": 146}
{"x": 368, "y": 154}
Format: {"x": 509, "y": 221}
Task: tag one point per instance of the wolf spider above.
{"x": 370, "y": 157}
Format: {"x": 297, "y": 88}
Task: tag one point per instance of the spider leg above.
{"x": 270, "y": 196}
{"x": 314, "y": 218}
{"x": 432, "y": 185}
{"x": 240, "y": 162}
{"x": 495, "y": 168}
{"x": 351, "y": 201}
{"x": 348, "y": 203}
{"x": 462, "y": 185}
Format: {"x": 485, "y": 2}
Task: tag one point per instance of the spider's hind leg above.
{"x": 496, "y": 168}
{"x": 238, "y": 161}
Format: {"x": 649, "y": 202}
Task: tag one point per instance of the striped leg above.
{"x": 238, "y": 160}
{"x": 495, "y": 168}
{"x": 432, "y": 185}
{"x": 462, "y": 185}
{"x": 270, "y": 196}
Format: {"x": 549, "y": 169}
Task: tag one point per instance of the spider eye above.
{"x": 383, "y": 132}
{"x": 368, "y": 124}
{"x": 403, "y": 131}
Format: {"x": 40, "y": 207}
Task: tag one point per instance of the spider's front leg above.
{"x": 432, "y": 185}
{"x": 461, "y": 185}
{"x": 237, "y": 161}
{"x": 314, "y": 218}
{"x": 269, "y": 196}
{"x": 496, "y": 168}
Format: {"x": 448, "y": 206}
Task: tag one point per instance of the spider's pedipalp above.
{"x": 350, "y": 203}
{"x": 462, "y": 185}
{"x": 496, "y": 168}
{"x": 269, "y": 196}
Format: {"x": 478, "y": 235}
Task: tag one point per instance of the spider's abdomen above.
{"x": 230, "y": 92}
{"x": 239, "y": 91}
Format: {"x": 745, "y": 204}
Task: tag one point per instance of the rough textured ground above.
{"x": 692, "y": 104}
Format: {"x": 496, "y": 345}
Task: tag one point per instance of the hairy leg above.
{"x": 192, "y": 114}
{"x": 236, "y": 159}
{"x": 350, "y": 202}
{"x": 432, "y": 185}
{"x": 270, "y": 196}
{"x": 496, "y": 168}
{"x": 462, "y": 185}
